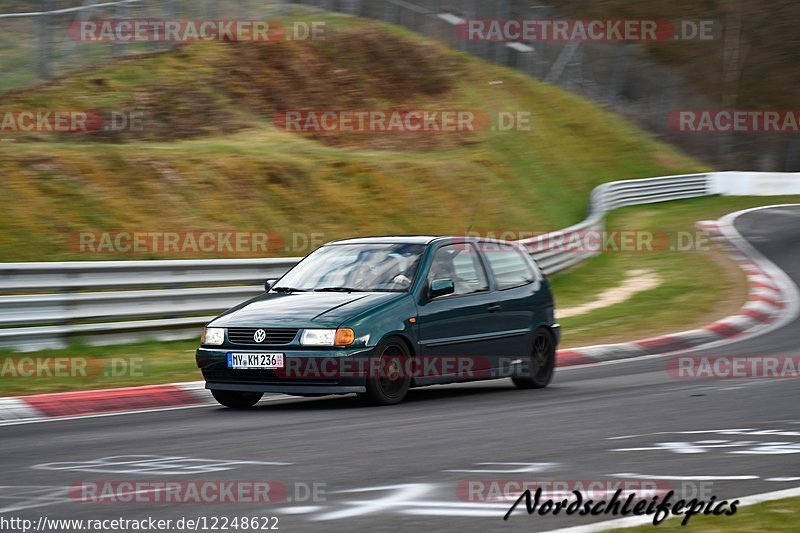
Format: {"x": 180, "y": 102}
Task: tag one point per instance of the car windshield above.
{"x": 355, "y": 268}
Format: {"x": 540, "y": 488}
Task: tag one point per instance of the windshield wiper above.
{"x": 338, "y": 289}
{"x": 288, "y": 289}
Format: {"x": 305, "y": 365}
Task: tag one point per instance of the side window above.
{"x": 509, "y": 266}
{"x": 460, "y": 263}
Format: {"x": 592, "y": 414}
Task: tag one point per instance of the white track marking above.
{"x": 446, "y": 511}
{"x": 736, "y": 431}
{"x": 300, "y": 509}
{"x": 684, "y": 478}
{"x": 402, "y": 499}
{"x": 685, "y": 447}
{"x": 516, "y": 468}
{"x": 30, "y": 497}
{"x": 121, "y": 413}
{"x": 152, "y": 464}
{"x": 399, "y": 495}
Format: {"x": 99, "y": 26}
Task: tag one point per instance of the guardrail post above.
{"x": 388, "y": 11}
{"x": 287, "y": 6}
{"x": 501, "y": 51}
{"x": 120, "y": 12}
{"x": 170, "y": 13}
{"x": 619, "y": 73}
{"x": 45, "y": 52}
{"x": 793, "y": 155}
{"x": 469, "y": 11}
{"x": 352, "y": 7}
{"x": 213, "y": 9}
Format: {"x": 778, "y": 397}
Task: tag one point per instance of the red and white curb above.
{"x": 99, "y": 402}
{"x": 766, "y": 303}
{"x": 773, "y": 300}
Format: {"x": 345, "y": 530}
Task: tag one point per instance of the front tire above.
{"x": 236, "y": 399}
{"x": 388, "y": 384}
{"x": 540, "y": 367}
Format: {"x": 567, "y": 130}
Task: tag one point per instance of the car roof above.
{"x": 389, "y": 239}
{"x": 417, "y": 239}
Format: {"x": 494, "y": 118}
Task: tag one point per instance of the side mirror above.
{"x": 442, "y": 287}
{"x": 269, "y": 284}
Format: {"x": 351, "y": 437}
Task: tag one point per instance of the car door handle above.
{"x": 494, "y": 308}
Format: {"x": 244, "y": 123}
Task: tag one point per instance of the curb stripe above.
{"x": 765, "y": 285}
{"x": 761, "y": 316}
{"x": 723, "y": 329}
{"x": 571, "y": 358}
{"x": 16, "y": 409}
{"x": 111, "y": 400}
{"x": 767, "y": 300}
{"x": 661, "y": 344}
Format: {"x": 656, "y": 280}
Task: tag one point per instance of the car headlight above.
{"x": 327, "y": 337}
{"x": 213, "y": 336}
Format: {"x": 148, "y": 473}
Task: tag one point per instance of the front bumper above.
{"x": 338, "y": 371}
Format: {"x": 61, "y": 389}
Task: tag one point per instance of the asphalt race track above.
{"x": 399, "y": 468}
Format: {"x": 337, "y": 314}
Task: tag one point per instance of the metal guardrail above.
{"x": 87, "y": 275}
{"x": 67, "y": 10}
{"x": 556, "y": 251}
{"x": 46, "y": 305}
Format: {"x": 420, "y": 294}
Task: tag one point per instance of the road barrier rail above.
{"x": 49, "y": 305}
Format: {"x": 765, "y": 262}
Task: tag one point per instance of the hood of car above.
{"x": 303, "y": 309}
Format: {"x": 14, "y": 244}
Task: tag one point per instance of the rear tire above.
{"x": 540, "y": 367}
{"x": 236, "y": 399}
{"x": 388, "y": 384}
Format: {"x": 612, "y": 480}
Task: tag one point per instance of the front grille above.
{"x": 273, "y": 336}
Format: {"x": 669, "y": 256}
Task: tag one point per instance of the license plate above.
{"x": 246, "y": 361}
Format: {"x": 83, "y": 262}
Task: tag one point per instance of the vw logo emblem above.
{"x": 259, "y": 336}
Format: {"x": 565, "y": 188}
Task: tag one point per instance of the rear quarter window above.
{"x": 509, "y": 266}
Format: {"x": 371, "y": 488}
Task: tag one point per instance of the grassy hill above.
{"x": 210, "y": 157}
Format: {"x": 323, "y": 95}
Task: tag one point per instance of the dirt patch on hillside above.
{"x": 206, "y": 90}
{"x": 169, "y": 113}
{"x": 352, "y": 70}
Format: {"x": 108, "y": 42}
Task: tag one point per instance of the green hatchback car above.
{"x": 377, "y": 316}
